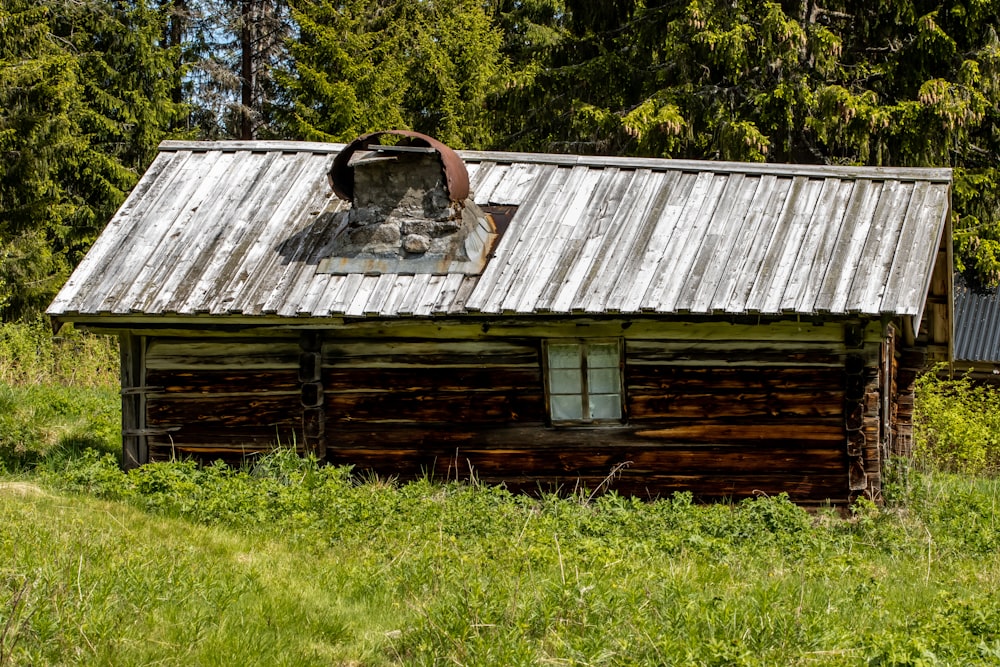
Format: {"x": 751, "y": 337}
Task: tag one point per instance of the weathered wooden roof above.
{"x": 977, "y": 323}
{"x": 231, "y": 228}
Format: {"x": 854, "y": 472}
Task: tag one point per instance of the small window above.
{"x": 584, "y": 381}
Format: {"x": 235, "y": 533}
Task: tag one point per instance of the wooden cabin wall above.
{"x": 221, "y": 397}
{"x": 722, "y": 410}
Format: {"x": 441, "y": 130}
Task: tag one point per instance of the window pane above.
{"x": 566, "y": 408}
{"x": 565, "y": 381}
{"x": 564, "y": 356}
{"x": 603, "y": 380}
{"x": 605, "y": 406}
{"x": 602, "y": 355}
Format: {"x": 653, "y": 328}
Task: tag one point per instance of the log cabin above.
{"x": 553, "y": 322}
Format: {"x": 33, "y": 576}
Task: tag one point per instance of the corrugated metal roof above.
{"x": 240, "y": 227}
{"x": 977, "y": 323}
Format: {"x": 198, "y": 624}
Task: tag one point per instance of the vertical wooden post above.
{"x": 135, "y": 450}
{"x": 310, "y": 377}
{"x": 861, "y": 416}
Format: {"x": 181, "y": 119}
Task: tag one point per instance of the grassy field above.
{"x": 290, "y": 563}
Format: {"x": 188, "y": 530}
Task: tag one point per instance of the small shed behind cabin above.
{"x": 642, "y": 325}
{"x": 977, "y": 332}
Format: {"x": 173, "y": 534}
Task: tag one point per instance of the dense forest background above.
{"x": 88, "y": 88}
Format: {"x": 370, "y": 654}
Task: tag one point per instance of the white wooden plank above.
{"x": 588, "y": 250}
{"x": 766, "y": 209}
{"x": 724, "y": 225}
{"x": 715, "y": 264}
{"x": 641, "y": 203}
{"x": 817, "y": 246}
{"x": 786, "y": 244}
{"x": 847, "y": 253}
{"x": 649, "y": 246}
{"x": 880, "y": 247}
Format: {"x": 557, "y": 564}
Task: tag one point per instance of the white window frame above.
{"x": 582, "y": 345}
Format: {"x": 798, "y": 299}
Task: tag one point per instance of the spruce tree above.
{"x": 84, "y": 100}
{"x": 359, "y": 66}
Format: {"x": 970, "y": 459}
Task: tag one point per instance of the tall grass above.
{"x": 58, "y": 394}
{"x": 30, "y": 355}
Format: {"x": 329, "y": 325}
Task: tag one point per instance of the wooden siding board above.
{"x": 347, "y": 353}
{"x": 186, "y": 354}
{"x": 215, "y": 381}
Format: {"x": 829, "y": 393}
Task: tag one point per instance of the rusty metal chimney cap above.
{"x": 455, "y": 175}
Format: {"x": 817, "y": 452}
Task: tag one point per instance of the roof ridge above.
{"x": 929, "y": 174}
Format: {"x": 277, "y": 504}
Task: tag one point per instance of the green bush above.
{"x": 957, "y": 425}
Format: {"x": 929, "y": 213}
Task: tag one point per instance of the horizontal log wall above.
{"x": 760, "y": 411}
{"x": 723, "y": 410}
{"x": 222, "y": 397}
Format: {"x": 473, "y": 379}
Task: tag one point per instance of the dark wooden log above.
{"x": 736, "y": 404}
{"x": 433, "y": 353}
{"x": 224, "y": 410}
{"x": 352, "y": 380}
{"x": 222, "y": 381}
{"x": 767, "y": 379}
{"x": 456, "y": 408}
{"x": 548, "y": 461}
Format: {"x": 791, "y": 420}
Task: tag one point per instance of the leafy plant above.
{"x": 957, "y": 425}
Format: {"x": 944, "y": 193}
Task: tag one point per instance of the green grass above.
{"x": 291, "y": 563}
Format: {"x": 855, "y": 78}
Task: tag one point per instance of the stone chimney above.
{"x": 411, "y": 211}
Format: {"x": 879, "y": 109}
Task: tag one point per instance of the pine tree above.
{"x": 358, "y": 66}
{"x": 230, "y": 50}
{"x": 84, "y": 100}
